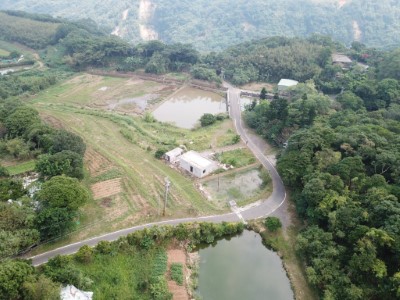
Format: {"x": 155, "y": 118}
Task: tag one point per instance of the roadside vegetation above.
{"x": 135, "y": 265}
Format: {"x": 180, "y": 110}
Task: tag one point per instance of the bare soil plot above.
{"x": 106, "y": 188}
{"x": 179, "y": 292}
{"x": 257, "y": 86}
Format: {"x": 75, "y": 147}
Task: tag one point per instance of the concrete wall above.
{"x": 196, "y": 171}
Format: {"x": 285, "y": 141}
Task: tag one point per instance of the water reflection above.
{"x": 186, "y": 107}
{"x": 242, "y": 268}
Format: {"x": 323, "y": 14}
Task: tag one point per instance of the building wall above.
{"x": 282, "y": 88}
{"x": 172, "y": 158}
{"x": 196, "y": 171}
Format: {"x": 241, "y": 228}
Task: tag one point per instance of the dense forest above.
{"x": 341, "y": 161}
{"x": 215, "y": 25}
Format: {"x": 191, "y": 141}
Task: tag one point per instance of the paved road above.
{"x": 259, "y": 210}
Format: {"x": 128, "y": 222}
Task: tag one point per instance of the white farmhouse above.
{"x": 196, "y": 164}
{"x": 284, "y": 84}
{"x": 173, "y": 155}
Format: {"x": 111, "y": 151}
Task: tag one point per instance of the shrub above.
{"x": 220, "y": 117}
{"x": 104, "y": 247}
{"x": 273, "y": 223}
{"x": 177, "y": 273}
{"x": 265, "y": 177}
{"x": 84, "y": 254}
{"x": 207, "y": 120}
{"x": 148, "y": 118}
{"x": 160, "y": 153}
{"x": 236, "y": 139}
{"x": 159, "y": 289}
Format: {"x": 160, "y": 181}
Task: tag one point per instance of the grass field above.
{"x": 127, "y": 182}
{"x": 237, "y": 158}
{"x": 21, "y": 168}
{"x": 4, "y": 53}
{"x": 7, "y": 48}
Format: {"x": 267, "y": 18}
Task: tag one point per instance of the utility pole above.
{"x": 167, "y": 185}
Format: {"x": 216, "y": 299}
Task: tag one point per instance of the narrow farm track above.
{"x": 263, "y": 208}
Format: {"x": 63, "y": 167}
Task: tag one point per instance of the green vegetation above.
{"x": 273, "y": 223}
{"x": 303, "y": 59}
{"x": 215, "y": 25}
{"x": 23, "y": 223}
{"x": 133, "y": 266}
{"x": 237, "y": 158}
{"x": 4, "y": 53}
{"x": 21, "y": 168}
{"x": 38, "y": 35}
{"x": 245, "y": 186}
{"x": 341, "y": 162}
{"x": 176, "y": 271}
{"x": 341, "y": 158}
{"x": 207, "y": 119}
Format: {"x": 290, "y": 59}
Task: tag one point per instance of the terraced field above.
{"x": 126, "y": 181}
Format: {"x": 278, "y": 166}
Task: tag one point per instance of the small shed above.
{"x": 341, "y": 60}
{"x": 173, "y": 155}
{"x": 284, "y": 84}
{"x": 196, "y": 164}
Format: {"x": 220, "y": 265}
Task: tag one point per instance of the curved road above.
{"x": 259, "y": 210}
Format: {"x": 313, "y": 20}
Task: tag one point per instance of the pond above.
{"x": 5, "y": 71}
{"x": 185, "y": 108}
{"x": 242, "y": 268}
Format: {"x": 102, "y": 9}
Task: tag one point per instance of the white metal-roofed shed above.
{"x": 284, "y": 84}
{"x": 173, "y": 155}
{"x": 196, "y": 164}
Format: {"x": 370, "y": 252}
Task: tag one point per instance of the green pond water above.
{"x": 242, "y": 268}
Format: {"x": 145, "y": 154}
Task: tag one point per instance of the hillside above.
{"x": 32, "y": 33}
{"x": 215, "y": 25}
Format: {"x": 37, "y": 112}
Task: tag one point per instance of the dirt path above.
{"x": 179, "y": 292}
{"x": 39, "y": 61}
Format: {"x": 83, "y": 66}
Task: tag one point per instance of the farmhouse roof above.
{"x": 288, "y": 82}
{"x": 196, "y": 160}
{"x": 341, "y": 58}
{"x": 174, "y": 152}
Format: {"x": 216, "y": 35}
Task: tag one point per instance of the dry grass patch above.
{"x": 257, "y": 86}
{"x": 96, "y": 163}
{"x": 106, "y": 188}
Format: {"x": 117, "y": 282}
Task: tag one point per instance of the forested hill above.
{"x": 217, "y": 24}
